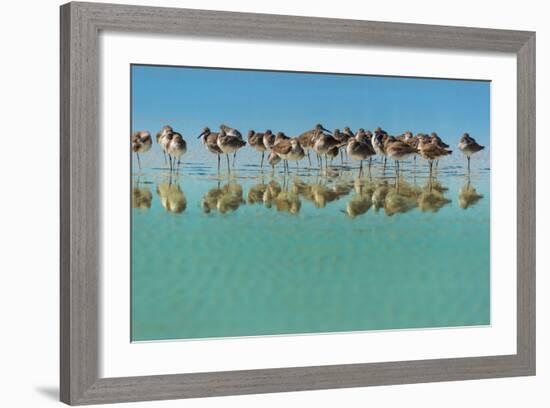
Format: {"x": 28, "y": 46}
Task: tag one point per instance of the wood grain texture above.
{"x": 80, "y": 189}
{"x": 80, "y": 233}
{"x": 526, "y": 202}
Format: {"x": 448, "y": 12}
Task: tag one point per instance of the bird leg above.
{"x": 262, "y": 162}
{"x": 397, "y": 169}
{"x": 341, "y": 157}
{"x": 468, "y": 164}
{"x": 234, "y": 158}
{"x": 360, "y": 168}
{"x": 228, "y": 167}
{"x": 219, "y": 164}
{"x": 308, "y": 158}
{"x": 139, "y": 164}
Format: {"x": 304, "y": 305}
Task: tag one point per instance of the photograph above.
{"x": 283, "y": 203}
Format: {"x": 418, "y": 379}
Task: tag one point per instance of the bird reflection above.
{"x": 362, "y": 199}
{"x": 468, "y": 196}
{"x": 172, "y": 197}
{"x": 322, "y": 194}
{"x": 431, "y": 198}
{"x": 226, "y": 198}
{"x": 289, "y": 195}
{"x": 303, "y": 189}
{"x": 141, "y": 198}
{"x": 397, "y": 202}
{"x": 284, "y": 199}
{"x": 288, "y": 201}
{"x": 256, "y": 193}
{"x": 379, "y": 194}
{"x": 271, "y": 192}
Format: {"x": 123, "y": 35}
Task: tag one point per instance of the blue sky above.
{"x": 192, "y": 98}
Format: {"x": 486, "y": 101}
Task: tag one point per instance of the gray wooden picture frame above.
{"x": 81, "y": 24}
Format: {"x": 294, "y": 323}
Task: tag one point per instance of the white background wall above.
{"x": 29, "y": 203}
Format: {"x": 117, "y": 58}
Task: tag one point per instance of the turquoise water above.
{"x": 255, "y": 253}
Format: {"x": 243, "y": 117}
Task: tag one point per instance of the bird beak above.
{"x": 326, "y": 130}
{"x": 199, "y": 136}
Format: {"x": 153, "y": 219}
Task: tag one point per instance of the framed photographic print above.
{"x": 261, "y": 203}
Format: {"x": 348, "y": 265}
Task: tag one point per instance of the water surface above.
{"x": 259, "y": 253}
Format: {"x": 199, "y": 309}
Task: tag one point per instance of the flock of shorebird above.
{"x": 359, "y": 146}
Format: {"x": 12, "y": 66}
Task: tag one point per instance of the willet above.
{"x": 343, "y": 138}
{"x": 288, "y": 149}
{"x": 268, "y": 140}
{"x": 164, "y": 143}
{"x": 273, "y": 159}
{"x": 437, "y": 140}
{"x": 160, "y": 135}
{"x": 378, "y": 141}
{"x": 431, "y": 151}
{"x": 434, "y": 138}
{"x": 141, "y": 143}
{"x": 469, "y": 146}
{"x": 229, "y": 144}
{"x": 398, "y": 150}
{"x": 232, "y": 132}
{"x": 280, "y": 137}
{"x": 358, "y": 148}
{"x": 407, "y": 137}
{"x": 323, "y": 143}
{"x": 348, "y": 134}
{"x": 306, "y": 139}
{"x": 176, "y": 148}
{"x": 210, "y": 140}
{"x": 333, "y": 152}
{"x": 366, "y": 137}
{"x": 256, "y": 141}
